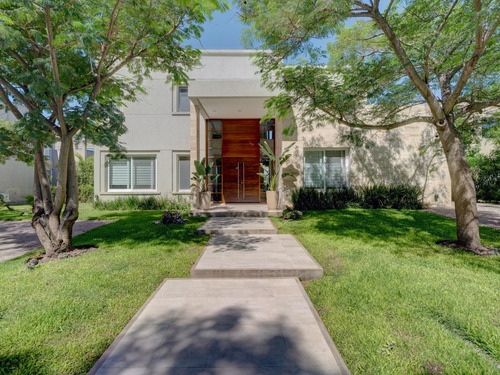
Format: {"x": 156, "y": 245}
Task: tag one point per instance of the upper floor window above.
{"x": 182, "y": 99}
{"x": 325, "y": 168}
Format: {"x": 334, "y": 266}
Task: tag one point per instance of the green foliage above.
{"x": 85, "y": 172}
{"x": 371, "y": 197}
{"x": 171, "y": 217}
{"x": 272, "y": 171}
{"x": 144, "y": 203}
{"x": 30, "y": 199}
{"x": 202, "y": 174}
{"x": 291, "y": 214}
{"x": 393, "y": 301}
{"x": 486, "y": 174}
{"x": 436, "y": 38}
{"x": 95, "y": 61}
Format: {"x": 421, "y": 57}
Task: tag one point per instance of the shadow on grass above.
{"x": 134, "y": 229}
{"x": 404, "y": 232}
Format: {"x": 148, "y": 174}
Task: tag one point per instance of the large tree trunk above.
{"x": 462, "y": 186}
{"x": 53, "y": 228}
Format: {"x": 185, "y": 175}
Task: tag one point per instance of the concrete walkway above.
{"x": 18, "y": 237}
{"x": 234, "y": 325}
{"x": 489, "y": 214}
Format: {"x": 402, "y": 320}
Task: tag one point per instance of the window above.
{"x": 183, "y": 173}
{"x": 182, "y": 99}
{"x": 133, "y": 173}
{"x": 325, "y": 168}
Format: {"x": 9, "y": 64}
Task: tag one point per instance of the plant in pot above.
{"x": 200, "y": 178}
{"x": 271, "y": 172}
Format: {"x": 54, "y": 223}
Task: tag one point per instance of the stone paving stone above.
{"x": 243, "y": 327}
{"x": 238, "y": 225}
{"x": 256, "y": 255}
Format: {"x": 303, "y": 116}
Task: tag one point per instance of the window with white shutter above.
{"x": 133, "y": 173}
{"x": 325, "y": 168}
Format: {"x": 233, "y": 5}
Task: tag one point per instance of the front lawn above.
{"x": 393, "y": 301}
{"x": 60, "y": 317}
{"x": 86, "y": 212}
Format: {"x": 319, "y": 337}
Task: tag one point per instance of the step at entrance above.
{"x": 238, "y": 225}
{"x": 256, "y": 255}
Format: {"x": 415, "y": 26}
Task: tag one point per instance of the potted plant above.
{"x": 200, "y": 178}
{"x": 271, "y": 172}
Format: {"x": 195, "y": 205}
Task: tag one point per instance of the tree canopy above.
{"x": 399, "y": 63}
{"x": 66, "y": 69}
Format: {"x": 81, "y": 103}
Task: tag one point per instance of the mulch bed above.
{"x": 77, "y": 251}
{"x": 487, "y": 250}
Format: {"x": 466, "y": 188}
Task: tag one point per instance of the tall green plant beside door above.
{"x": 201, "y": 175}
{"x": 271, "y": 172}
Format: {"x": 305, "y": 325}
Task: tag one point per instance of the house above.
{"x": 217, "y": 116}
{"x": 16, "y": 177}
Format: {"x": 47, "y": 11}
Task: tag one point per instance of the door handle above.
{"x": 243, "y": 180}
{"x": 238, "y": 181}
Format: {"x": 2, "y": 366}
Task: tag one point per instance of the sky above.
{"x": 224, "y": 31}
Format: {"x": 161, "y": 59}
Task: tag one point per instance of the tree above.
{"x": 67, "y": 66}
{"x": 442, "y": 55}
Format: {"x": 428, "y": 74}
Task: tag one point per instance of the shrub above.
{"x": 172, "y": 217}
{"x": 373, "y": 196}
{"x": 486, "y": 175}
{"x": 30, "y": 199}
{"x": 86, "y": 193}
{"x": 291, "y": 214}
{"x": 85, "y": 174}
{"x": 144, "y": 203}
{"x": 312, "y": 199}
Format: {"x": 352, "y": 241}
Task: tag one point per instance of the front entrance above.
{"x": 233, "y": 147}
{"x": 240, "y": 161}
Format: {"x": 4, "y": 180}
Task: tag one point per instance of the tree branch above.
{"x": 468, "y": 68}
{"x": 5, "y": 98}
{"x": 478, "y": 107}
{"x": 412, "y": 73}
{"x": 55, "y": 69}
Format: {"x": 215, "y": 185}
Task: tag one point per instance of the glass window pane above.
{"x": 214, "y": 124}
{"x": 144, "y": 173}
{"x": 183, "y": 168}
{"x": 182, "y": 99}
{"x": 335, "y": 168}
{"x": 313, "y": 169}
{"x": 119, "y": 174}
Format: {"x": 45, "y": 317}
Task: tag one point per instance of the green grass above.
{"x": 86, "y": 212}
{"x": 60, "y": 317}
{"x": 393, "y": 301}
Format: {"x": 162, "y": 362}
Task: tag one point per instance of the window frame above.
{"x": 323, "y": 150}
{"x": 178, "y": 156}
{"x": 176, "y": 101}
{"x": 132, "y": 190}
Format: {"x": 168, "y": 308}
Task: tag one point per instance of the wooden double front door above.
{"x": 241, "y": 161}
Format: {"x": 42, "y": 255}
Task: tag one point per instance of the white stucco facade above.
{"x": 226, "y": 86}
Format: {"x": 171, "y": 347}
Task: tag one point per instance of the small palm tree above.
{"x": 272, "y": 171}
{"x": 201, "y": 175}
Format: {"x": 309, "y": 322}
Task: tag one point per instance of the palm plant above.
{"x": 201, "y": 175}
{"x": 271, "y": 172}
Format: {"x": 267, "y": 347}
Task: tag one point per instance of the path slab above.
{"x": 236, "y": 210}
{"x": 238, "y": 225}
{"x": 224, "y": 327}
{"x": 258, "y": 255}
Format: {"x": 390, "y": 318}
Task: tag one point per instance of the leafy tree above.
{"x": 67, "y": 66}
{"x": 432, "y": 61}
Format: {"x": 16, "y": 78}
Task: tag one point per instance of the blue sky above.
{"x": 224, "y": 31}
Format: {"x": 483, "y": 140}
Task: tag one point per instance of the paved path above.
{"x": 18, "y": 237}
{"x": 489, "y": 214}
{"x": 231, "y": 325}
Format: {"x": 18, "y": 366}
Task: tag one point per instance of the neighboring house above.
{"x": 16, "y": 177}
{"x": 218, "y": 116}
